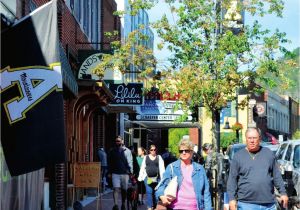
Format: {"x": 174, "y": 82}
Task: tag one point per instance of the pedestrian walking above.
{"x": 141, "y": 185}
{"x": 168, "y": 157}
{"x": 193, "y": 187}
{"x": 104, "y": 168}
{"x": 151, "y": 171}
{"x": 213, "y": 164}
{"x": 120, "y": 166}
{"x": 253, "y": 175}
{"x": 212, "y": 160}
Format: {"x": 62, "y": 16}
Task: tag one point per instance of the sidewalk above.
{"x": 105, "y": 202}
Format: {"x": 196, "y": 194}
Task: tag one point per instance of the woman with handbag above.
{"x": 193, "y": 187}
{"x": 151, "y": 171}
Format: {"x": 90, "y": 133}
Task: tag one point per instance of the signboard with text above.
{"x": 130, "y": 94}
{"x": 90, "y": 63}
{"x": 87, "y": 174}
{"x": 158, "y": 110}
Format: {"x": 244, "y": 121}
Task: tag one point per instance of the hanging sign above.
{"x": 130, "y": 94}
{"x": 90, "y": 63}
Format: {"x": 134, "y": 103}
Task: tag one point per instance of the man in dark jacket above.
{"x": 119, "y": 168}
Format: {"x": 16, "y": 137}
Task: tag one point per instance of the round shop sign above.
{"x": 86, "y": 68}
{"x": 88, "y": 65}
{"x": 260, "y": 109}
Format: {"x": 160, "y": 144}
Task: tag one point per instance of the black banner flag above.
{"x": 32, "y": 119}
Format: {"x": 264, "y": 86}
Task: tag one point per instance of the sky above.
{"x": 290, "y": 23}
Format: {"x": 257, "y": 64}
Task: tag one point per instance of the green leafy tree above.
{"x": 296, "y": 135}
{"x": 212, "y": 54}
{"x": 210, "y": 59}
{"x": 227, "y": 139}
{"x": 175, "y": 135}
{"x": 292, "y": 73}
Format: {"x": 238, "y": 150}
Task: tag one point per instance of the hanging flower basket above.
{"x": 237, "y": 126}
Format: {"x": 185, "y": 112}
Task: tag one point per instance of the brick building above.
{"x": 82, "y": 26}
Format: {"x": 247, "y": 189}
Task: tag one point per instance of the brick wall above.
{"x": 193, "y": 132}
{"x": 109, "y": 23}
{"x": 70, "y": 33}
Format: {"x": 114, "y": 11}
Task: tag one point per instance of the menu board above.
{"x": 87, "y": 174}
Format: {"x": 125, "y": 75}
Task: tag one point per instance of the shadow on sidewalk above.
{"x": 106, "y": 202}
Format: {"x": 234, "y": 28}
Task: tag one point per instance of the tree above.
{"x": 296, "y": 135}
{"x": 175, "y": 135}
{"x": 292, "y": 73}
{"x": 210, "y": 60}
{"x": 227, "y": 139}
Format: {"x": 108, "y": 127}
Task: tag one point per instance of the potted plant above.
{"x": 237, "y": 126}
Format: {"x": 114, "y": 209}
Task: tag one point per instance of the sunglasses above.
{"x": 184, "y": 150}
{"x": 152, "y": 149}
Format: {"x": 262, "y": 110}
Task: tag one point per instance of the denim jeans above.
{"x": 251, "y": 206}
{"x": 150, "y": 194}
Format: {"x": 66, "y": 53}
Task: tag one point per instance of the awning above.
{"x": 166, "y": 124}
{"x": 120, "y": 109}
{"x": 69, "y": 79}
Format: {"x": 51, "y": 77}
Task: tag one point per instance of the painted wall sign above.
{"x": 127, "y": 95}
{"x": 86, "y": 69}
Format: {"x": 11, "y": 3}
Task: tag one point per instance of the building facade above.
{"x": 81, "y": 26}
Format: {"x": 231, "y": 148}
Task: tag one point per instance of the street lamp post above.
{"x": 237, "y": 134}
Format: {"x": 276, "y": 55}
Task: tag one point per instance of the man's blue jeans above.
{"x": 250, "y": 206}
{"x": 150, "y": 194}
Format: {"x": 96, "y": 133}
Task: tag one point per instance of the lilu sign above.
{"x": 127, "y": 95}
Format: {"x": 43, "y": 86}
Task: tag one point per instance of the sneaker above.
{"x": 115, "y": 207}
{"x": 123, "y": 207}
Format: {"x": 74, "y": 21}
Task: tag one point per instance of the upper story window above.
{"x": 88, "y": 15}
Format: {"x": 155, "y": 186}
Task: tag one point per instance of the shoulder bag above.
{"x": 171, "y": 189}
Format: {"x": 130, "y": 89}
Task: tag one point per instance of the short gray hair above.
{"x": 253, "y": 128}
{"x": 186, "y": 143}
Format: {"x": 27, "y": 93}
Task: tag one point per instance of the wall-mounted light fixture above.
{"x": 227, "y": 126}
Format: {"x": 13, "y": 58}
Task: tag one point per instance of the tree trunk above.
{"x": 216, "y": 129}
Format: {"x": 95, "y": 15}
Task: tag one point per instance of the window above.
{"x": 296, "y": 158}
{"x": 280, "y": 152}
{"x": 289, "y": 153}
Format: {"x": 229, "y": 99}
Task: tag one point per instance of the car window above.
{"x": 280, "y": 152}
{"x": 289, "y": 152}
{"x": 296, "y": 158}
{"x": 234, "y": 150}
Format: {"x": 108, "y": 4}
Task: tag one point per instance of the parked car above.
{"x": 288, "y": 158}
{"x": 231, "y": 150}
{"x": 272, "y": 147}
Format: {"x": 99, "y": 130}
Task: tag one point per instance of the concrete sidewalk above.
{"x": 105, "y": 202}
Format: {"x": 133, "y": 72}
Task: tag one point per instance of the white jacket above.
{"x": 143, "y": 173}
